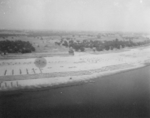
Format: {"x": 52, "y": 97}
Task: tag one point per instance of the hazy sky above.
{"x": 98, "y": 15}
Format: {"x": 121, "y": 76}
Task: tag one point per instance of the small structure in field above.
{"x": 71, "y": 51}
{"x": 94, "y": 49}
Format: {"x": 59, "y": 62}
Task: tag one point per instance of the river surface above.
{"x": 122, "y": 95}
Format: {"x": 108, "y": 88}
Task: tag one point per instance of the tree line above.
{"x": 98, "y": 45}
{"x": 16, "y": 46}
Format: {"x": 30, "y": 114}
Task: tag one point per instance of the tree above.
{"x": 65, "y": 43}
{"x": 15, "y": 46}
{"x": 71, "y": 51}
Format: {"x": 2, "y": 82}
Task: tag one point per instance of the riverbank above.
{"x": 24, "y": 75}
{"x": 124, "y": 94}
{"x": 32, "y": 85}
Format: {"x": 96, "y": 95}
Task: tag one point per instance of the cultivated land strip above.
{"x": 64, "y": 74}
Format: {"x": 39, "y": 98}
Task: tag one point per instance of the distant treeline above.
{"x": 16, "y": 46}
{"x": 10, "y": 35}
{"x": 98, "y": 45}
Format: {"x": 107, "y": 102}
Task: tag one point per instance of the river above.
{"x": 122, "y": 95}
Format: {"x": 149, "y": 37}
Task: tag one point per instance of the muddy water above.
{"x": 126, "y": 95}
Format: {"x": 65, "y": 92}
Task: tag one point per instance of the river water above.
{"x": 122, "y": 95}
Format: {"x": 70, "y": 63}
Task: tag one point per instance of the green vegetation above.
{"x": 98, "y": 45}
{"x": 17, "y": 46}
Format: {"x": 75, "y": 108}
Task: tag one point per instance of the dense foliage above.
{"x": 17, "y": 46}
{"x": 98, "y": 45}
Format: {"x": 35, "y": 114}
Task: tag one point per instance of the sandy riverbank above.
{"x": 64, "y": 70}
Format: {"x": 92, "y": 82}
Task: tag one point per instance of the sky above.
{"x": 78, "y": 15}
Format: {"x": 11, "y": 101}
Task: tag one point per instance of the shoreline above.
{"x": 66, "y": 84}
{"x": 66, "y": 70}
{"x": 62, "y": 85}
